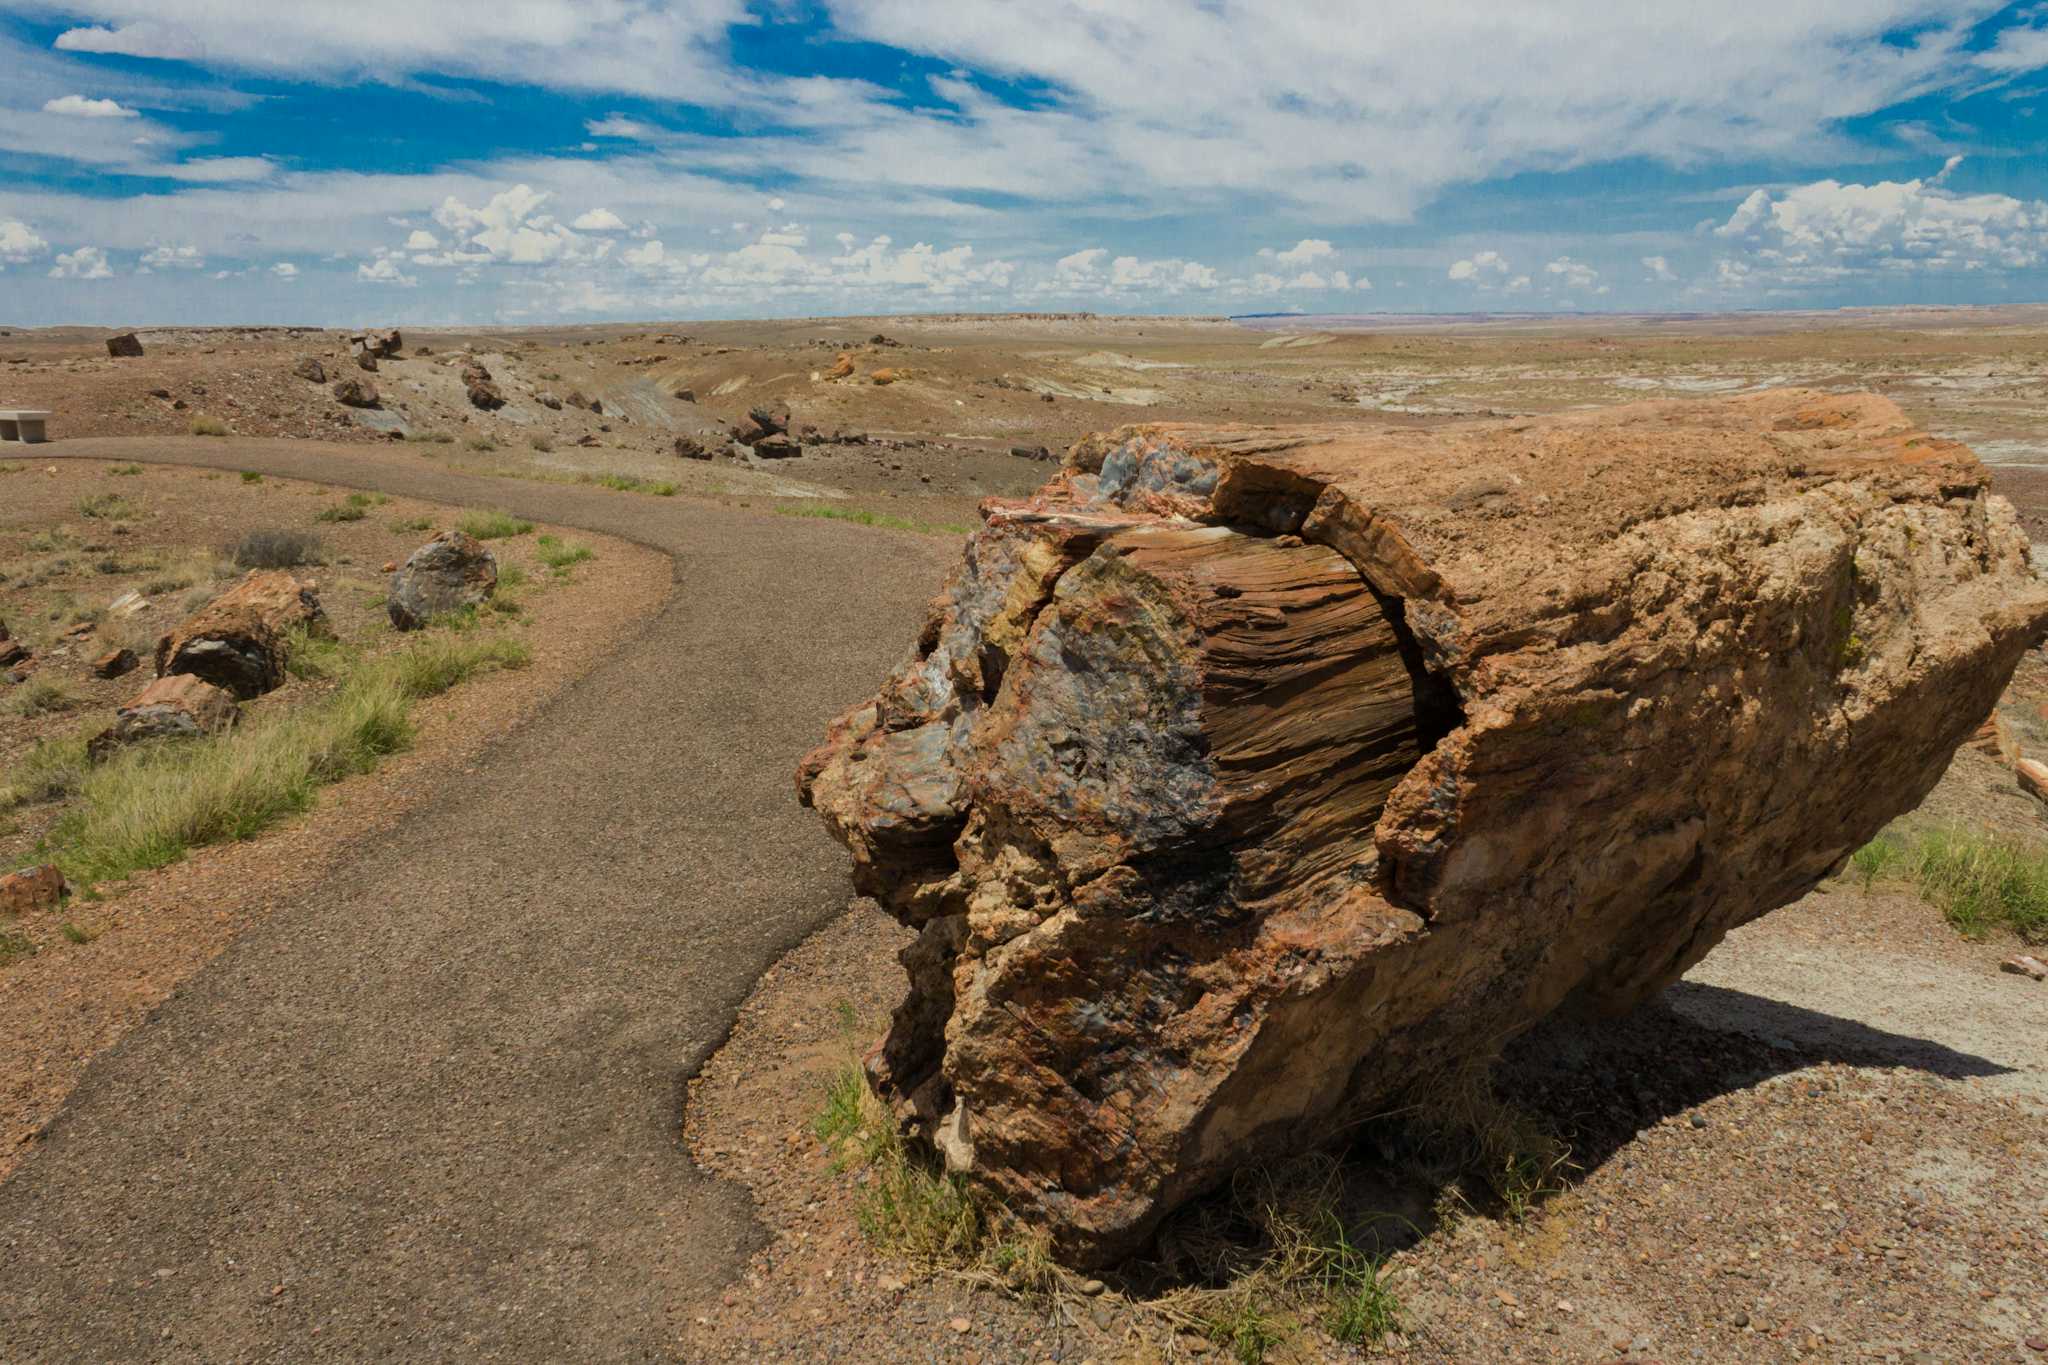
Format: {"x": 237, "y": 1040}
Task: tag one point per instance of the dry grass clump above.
{"x": 493, "y": 525}
{"x": 277, "y": 549}
{"x": 204, "y": 425}
{"x": 40, "y": 696}
{"x": 1978, "y": 881}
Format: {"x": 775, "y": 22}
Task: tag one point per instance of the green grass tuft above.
{"x": 41, "y": 696}
{"x": 251, "y": 476}
{"x": 51, "y": 771}
{"x": 125, "y": 470}
{"x": 627, "y": 483}
{"x": 106, "y": 507}
{"x": 203, "y": 425}
{"x": 561, "y": 557}
{"x": 150, "y": 806}
{"x": 860, "y": 516}
{"x": 493, "y": 525}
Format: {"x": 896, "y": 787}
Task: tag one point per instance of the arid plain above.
{"x": 1824, "y": 1144}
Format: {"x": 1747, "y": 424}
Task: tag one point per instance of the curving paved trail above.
{"x": 439, "y": 1101}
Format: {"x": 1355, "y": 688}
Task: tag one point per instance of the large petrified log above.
{"x": 241, "y": 640}
{"x": 1243, "y": 777}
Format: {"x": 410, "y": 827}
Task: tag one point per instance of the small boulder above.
{"x": 238, "y": 640}
{"x": 382, "y": 343}
{"x": 2033, "y": 777}
{"x": 32, "y": 888}
{"x": 2033, "y": 968}
{"x": 885, "y": 376}
{"x": 475, "y": 373}
{"x": 366, "y": 360}
{"x": 690, "y": 448}
{"x": 770, "y": 418}
{"x": 180, "y": 706}
{"x": 548, "y": 401}
{"x": 780, "y": 446}
{"x": 114, "y": 663}
{"x": 12, "y": 653}
{"x": 356, "y": 393}
{"x": 486, "y": 396}
{"x": 124, "y": 346}
{"x": 879, "y": 340}
{"x": 309, "y": 368}
{"x": 448, "y": 573}
{"x": 842, "y": 368}
{"x": 686, "y": 395}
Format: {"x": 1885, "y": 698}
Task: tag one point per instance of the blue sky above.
{"x": 525, "y": 160}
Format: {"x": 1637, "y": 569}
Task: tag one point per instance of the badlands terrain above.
{"x": 517, "y": 1045}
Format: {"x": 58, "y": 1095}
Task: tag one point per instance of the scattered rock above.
{"x": 355, "y": 393}
{"x": 1031, "y": 452}
{"x": 239, "y": 640}
{"x": 114, "y": 663}
{"x": 164, "y": 394}
{"x": 2033, "y": 777}
{"x": 578, "y": 399}
{"x": 686, "y": 395}
{"x": 485, "y": 396}
{"x": 377, "y": 343}
{"x": 879, "y": 340}
{"x": 690, "y": 448}
{"x": 13, "y": 653}
{"x": 778, "y": 447}
{"x": 2025, "y": 965}
{"x": 1245, "y": 775}
{"x": 33, "y": 888}
{"x": 548, "y": 400}
{"x": 885, "y": 376}
{"x": 130, "y": 603}
{"x": 366, "y": 361}
{"x": 842, "y": 368}
{"x": 180, "y": 706}
{"x": 309, "y": 368}
{"x": 124, "y": 347}
{"x": 449, "y": 572}
{"x": 475, "y": 373}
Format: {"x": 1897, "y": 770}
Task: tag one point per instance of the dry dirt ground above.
{"x": 1825, "y": 1145}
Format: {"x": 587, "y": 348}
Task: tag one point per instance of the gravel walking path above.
{"x": 433, "y": 1111}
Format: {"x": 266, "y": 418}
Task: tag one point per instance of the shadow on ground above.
{"x": 1559, "y": 1104}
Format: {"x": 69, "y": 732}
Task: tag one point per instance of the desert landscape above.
{"x": 453, "y": 970}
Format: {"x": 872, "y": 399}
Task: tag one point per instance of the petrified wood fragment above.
{"x": 240, "y": 641}
{"x": 1243, "y": 777}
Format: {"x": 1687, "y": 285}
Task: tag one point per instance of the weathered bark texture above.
{"x": 240, "y": 640}
{"x": 1244, "y": 776}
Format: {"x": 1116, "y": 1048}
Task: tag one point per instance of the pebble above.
{"x": 960, "y": 1325}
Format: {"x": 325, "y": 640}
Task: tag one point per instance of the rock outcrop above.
{"x": 310, "y": 369}
{"x": 448, "y": 573}
{"x": 240, "y": 641}
{"x": 31, "y": 889}
{"x": 177, "y": 706}
{"x": 126, "y": 346}
{"x": 355, "y": 393}
{"x": 1244, "y": 778}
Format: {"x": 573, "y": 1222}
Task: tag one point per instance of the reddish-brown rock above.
{"x": 33, "y": 888}
{"x": 176, "y": 706}
{"x": 126, "y": 346}
{"x": 239, "y": 641}
{"x": 355, "y": 393}
{"x": 114, "y": 663}
{"x": 1244, "y": 778}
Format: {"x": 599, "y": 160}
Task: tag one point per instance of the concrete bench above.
{"x": 22, "y": 424}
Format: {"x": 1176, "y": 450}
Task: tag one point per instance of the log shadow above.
{"x": 1578, "y": 1090}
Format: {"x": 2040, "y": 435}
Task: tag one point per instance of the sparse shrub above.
{"x": 251, "y": 476}
{"x": 628, "y": 483}
{"x": 41, "y": 696}
{"x": 106, "y": 507}
{"x": 481, "y": 443}
{"x": 204, "y": 425}
{"x": 860, "y": 516}
{"x": 541, "y": 442}
{"x": 73, "y": 934}
{"x": 412, "y": 524}
{"x": 1980, "y": 882}
{"x": 50, "y": 541}
{"x": 15, "y": 945}
{"x": 125, "y": 470}
{"x": 277, "y": 549}
{"x": 439, "y": 662}
{"x": 51, "y": 771}
{"x": 343, "y": 511}
{"x": 561, "y": 557}
{"x": 493, "y": 525}
{"x": 10, "y": 467}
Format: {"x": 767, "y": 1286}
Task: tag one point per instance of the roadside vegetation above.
{"x": 1980, "y": 882}
{"x": 860, "y": 516}
{"x": 1289, "y": 1250}
{"x": 493, "y": 525}
{"x": 152, "y": 805}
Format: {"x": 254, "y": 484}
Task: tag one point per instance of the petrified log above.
{"x": 240, "y": 641}
{"x": 176, "y": 706}
{"x": 1243, "y": 778}
{"x": 452, "y": 571}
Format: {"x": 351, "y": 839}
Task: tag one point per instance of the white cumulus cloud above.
{"x": 78, "y": 106}
{"x": 285, "y": 270}
{"x": 172, "y": 258}
{"x": 19, "y": 242}
{"x": 598, "y": 220}
{"x": 384, "y": 270}
{"x": 1305, "y": 252}
{"x": 1573, "y": 274}
{"x": 1827, "y": 229}
{"x": 1659, "y": 268}
{"x": 86, "y": 263}
{"x": 1478, "y": 266}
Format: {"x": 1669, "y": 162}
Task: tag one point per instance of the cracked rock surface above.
{"x": 1243, "y": 778}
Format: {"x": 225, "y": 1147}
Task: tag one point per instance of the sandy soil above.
{"x": 71, "y": 1000}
